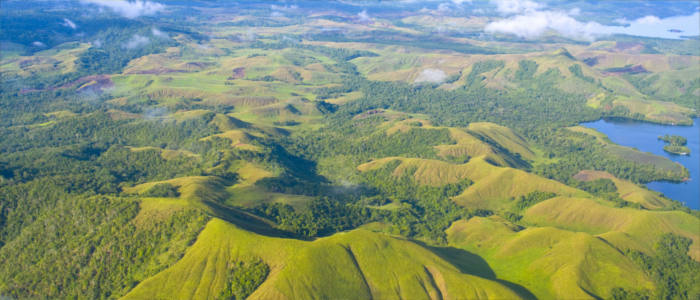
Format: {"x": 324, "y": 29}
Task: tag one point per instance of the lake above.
{"x": 644, "y": 137}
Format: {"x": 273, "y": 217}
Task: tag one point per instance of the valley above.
{"x": 343, "y": 150}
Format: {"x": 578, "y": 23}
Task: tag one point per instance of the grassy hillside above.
{"x": 646, "y": 95}
{"x": 497, "y": 144}
{"x": 640, "y": 227}
{"x": 96, "y": 247}
{"x": 345, "y": 265}
{"x": 494, "y": 187}
{"x": 628, "y": 191}
{"x": 552, "y": 263}
{"x": 336, "y": 150}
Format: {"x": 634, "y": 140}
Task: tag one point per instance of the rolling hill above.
{"x": 351, "y": 264}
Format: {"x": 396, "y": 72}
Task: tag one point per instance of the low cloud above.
{"x": 129, "y": 9}
{"x": 672, "y": 27}
{"x": 136, "y": 41}
{"x": 431, "y": 75}
{"x": 507, "y": 7}
{"x": 532, "y": 24}
{"x": 159, "y": 34}
{"x": 649, "y": 20}
{"x": 364, "y": 16}
{"x": 278, "y": 11}
{"x": 69, "y": 23}
{"x": 156, "y": 113}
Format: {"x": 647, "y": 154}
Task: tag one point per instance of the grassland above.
{"x": 551, "y": 262}
{"x": 351, "y": 264}
{"x": 657, "y": 103}
{"x": 494, "y": 187}
{"x": 628, "y": 190}
{"x": 280, "y": 114}
{"x": 628, "y": 228}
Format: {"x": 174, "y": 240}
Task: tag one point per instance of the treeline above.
{"x": 117, "y": 47}
{"x": 323, "y": 216}
{"x": 388, "y": 37}
{"x": 115, "y": 42}
{"x": 424, "y": 211}
{"x": 579, "y": 151}
{"x": 522, "y": 109}
{"x": 345, "y": 144}
{"x": 342, "y": 56}
{"x": 674, "y": 272}
{"x": 243, "y": 277}
{"x": 91, "y": 246}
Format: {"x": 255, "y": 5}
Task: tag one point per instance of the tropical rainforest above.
{"x": 343, "y": 149}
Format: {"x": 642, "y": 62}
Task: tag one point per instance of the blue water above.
{"x": 644, "y": 137}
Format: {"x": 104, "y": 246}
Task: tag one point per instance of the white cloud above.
{"x": 136, "y": 41}
{"x": 38, "y": 44}
{"x": 671, "y": 27}
{"x": 622, "y": 21}
{"x": 443, "y": 8}
{"x": 431, "y": 75}
{"x": 129, "y": 9}
{"x": 507, "y": 7}
{"x": 69, "y": 23}
{"x": 156, "y": 113}
{"x": 364, "y": 16}
{"x": 159, "y": 34}
{"x": 278, "y": 11}
{"x": 649, "y": 20}
{"x": 534, "y": 23}
{"x": 459, "y": 2}
{"x": 284, "y": 7}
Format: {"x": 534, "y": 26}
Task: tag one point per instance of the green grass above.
{"x": 353, "y": 265}
{"x": 494, "y": 187}
{"x": 640, "y": 227}
{"x": 251, "y": 196}
{"x": 504, "y": 136}
{"x": 552, "y": 263}
{"x": 629, "y": 191}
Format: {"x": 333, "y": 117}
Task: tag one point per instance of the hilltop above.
{"x": 333, "y": 150}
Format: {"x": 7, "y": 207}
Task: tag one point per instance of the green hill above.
{"x": 552, "y": 263}
{"x": 339, "y": 150}
{"x": 350, "y": 265}
{"x": 640, "y": 227}
{"x": 494, "y": 187}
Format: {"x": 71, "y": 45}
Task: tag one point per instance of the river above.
{"x": 644, "y": 137}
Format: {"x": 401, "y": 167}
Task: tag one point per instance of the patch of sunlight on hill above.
{"x": 641, "y": 227}
{"x": 494, "y": 187}
{"x": 627, "y": 190}
{"x": 352, "y": 265}
{"x": 553, "y": 263}
{"x": 504, "y": 136}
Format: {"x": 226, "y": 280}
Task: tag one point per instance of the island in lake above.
{"x": 676, "y": 144}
